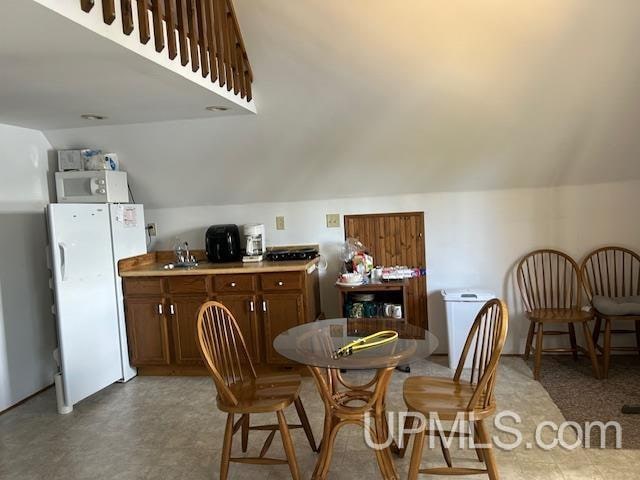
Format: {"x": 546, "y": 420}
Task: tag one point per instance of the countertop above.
{"x": 150, "y": 265}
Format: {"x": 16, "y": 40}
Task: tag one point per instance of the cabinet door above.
{"x": 243, "y": 308}
{"x": 147, "y": 331}
{"x": 184, "y": 320}
{"x": 281, "y": 311}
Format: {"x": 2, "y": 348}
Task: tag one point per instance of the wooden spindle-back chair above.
{"x": 471, "y": 397}
{"x": 551, "y": 290}
{"x": 612, "y": 272}
{"x": 241, "y": 391}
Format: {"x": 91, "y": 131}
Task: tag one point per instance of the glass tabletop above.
{"x": 314, "y": 343}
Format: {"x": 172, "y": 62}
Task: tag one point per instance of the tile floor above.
{"x": 168, "y": 428}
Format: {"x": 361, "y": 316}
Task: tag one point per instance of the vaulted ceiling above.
{"x": 377, "y": 97}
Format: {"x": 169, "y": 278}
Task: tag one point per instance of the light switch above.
{"x": 279, "y": 223}
{"x": 333, "y": 220}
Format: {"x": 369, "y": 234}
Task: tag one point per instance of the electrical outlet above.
{"x": 333, "y": 220}
{"x": 151, "y": 228}
{"x": 279, "y": 223}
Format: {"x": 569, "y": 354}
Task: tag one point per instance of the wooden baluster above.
{"x": 234, "y": 57}
{"x": 108, "y": 11}
{"x": 202, "y": 37}
{"x": 241, "y": 72}
{"x": 220, "y": 12}
{"x": 181, "y": 7}
{"x": 227, "y": 49}
{"x": 158, "y": 28}
{"x": 193, "y": 35}
{"x": 169, "y": 18}
{"x": 127, "y": 17}
{"x": 211, "y": 31}
{"x": 86, "y": 5}
{"x": 143, "y": 22}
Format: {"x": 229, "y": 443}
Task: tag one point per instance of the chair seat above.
{"x": 560, "y": 315}
{"x": 632, "y": 318}
{"x": 443, "y": 396}
{"x": 267, "y": 393}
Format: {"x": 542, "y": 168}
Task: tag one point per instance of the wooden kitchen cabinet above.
{"x": 280, "y": 312}
{"x": 183, "y": 312}
{"x": 244, "y": 310}
{"x": 147, "y": 331}
{"x": 162, "y": 308}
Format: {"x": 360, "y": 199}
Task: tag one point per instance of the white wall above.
{"x": 434, "y": 96}
{"x": 472, "y": 238}
{"x": 27, "y": 333}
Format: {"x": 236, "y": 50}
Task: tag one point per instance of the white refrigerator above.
{"x": 86, "y": 241}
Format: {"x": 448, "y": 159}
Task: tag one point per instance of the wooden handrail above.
{"x": 207, "y": 31}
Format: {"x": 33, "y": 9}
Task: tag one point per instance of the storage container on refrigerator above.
{"x": 462, "y": 306}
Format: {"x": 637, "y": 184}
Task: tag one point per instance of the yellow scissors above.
{"x": 375, "y": 340}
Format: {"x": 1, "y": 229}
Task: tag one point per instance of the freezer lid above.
{"x": 467, "y": 295}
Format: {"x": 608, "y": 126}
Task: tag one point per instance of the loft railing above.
{"x": 205, "y": 33}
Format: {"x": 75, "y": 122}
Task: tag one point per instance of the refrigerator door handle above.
{"x": 63, "y": 259}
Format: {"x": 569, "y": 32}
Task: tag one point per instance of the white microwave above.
{"x": 92, "y": 186}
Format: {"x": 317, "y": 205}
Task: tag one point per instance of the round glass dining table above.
{"x": 315, "y": 345}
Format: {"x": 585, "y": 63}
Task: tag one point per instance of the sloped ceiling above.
{"x": 378, "y": 97}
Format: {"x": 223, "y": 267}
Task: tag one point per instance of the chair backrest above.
{"x": 485, "y": 342}
{"x": 223, "y": 349}
{"x": 611, "y": 272}
{"x": 549, "y": 279}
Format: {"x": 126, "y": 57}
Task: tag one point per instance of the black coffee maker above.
{"x": 222, "y": 243}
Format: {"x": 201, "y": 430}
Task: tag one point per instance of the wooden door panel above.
{"x": 396, "y": 239}
{"x": 243, "y": 308}
{"x": 281, "y": 311}
{"x": 184, "y": 317}
{"x": 147, "y": 331}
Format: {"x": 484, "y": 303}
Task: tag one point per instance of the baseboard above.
{"x": 26, "y": 399}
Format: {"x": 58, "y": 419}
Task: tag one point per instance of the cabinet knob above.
{"x": 233, "y": 284}
{"x": 172, "y": 310}
{"x": 264, "y": 305}
{"x": 252, "y": 306}
{"x": 280, "y": 283}
{"x": 159, "y": 309}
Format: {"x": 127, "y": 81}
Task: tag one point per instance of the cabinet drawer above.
{"x": 233, "y": 283}
{"x": 142, "y": 286}
{"x": 281, "y": 281}
{"x": 188, "y": 284}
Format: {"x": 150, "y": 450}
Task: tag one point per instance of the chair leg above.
{"x": 226, "y": 448}
{"x": 304, "y": 420}
{"x": 416, "y": 454}
{"x": 596, "y": 330}
{"x": 539, "y": 335}
{"x": 245, "y": 432}
{"x": 591, "y": 349}
{"x": 638, "y": 335}
{"x": 572, "y": 339}
{"x": 527, "y": 347}
{"x": 408, "y": 425}
{"x": 476, "y": 439}
{"x": 606, "y": 354}
{"x": 288, "y": 445}
{"x": 487, "y": 453}
{"x": 445, "y": 451}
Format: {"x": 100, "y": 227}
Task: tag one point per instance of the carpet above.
{"x": 582, "y": 398}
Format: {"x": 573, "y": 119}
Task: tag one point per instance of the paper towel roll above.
{"x": 63, "y": 408}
